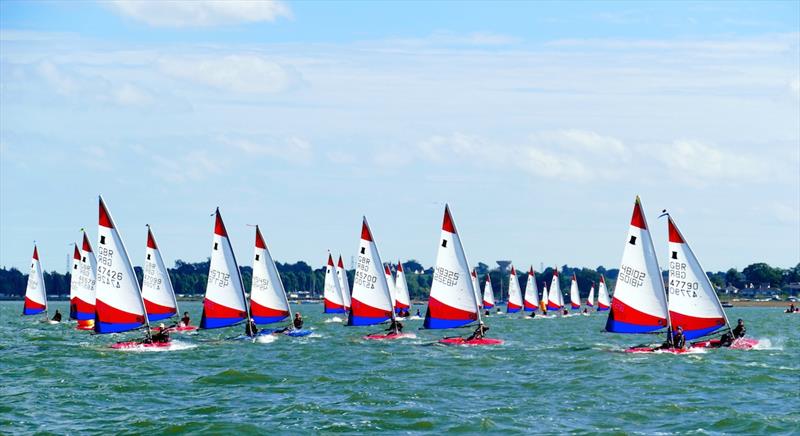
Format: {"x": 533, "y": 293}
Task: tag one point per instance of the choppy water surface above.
{"x": 551, "y": 376}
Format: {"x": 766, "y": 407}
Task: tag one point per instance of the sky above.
{"x": 537, "y": 122}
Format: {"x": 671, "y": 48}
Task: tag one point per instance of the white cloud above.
{"x": 201, "y": 13}
{"x": 244, "y": 74}
{"x": 697, "y": 162}
{"x": 291, "y": 149}
{"x": 193, "y": 166}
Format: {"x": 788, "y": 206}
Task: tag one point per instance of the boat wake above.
{"x": 414, "y": 318}
{"x": 173, "y": 346}
{"x": 766, "y": 344}
{"x": 334, "y": 319}
{"x": 266, "y": 339}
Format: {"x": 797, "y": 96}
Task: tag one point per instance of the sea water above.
{"x": 551, "y": 376}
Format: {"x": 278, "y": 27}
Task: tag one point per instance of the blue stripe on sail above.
{"x": 510, "y": 310}
{"x": 600, "y": 309}
{"x": 32, "y": 311}
{"x": 268, "y": 319}
{"x": 624, "y": 327}
{"x": 106, "y": 327}
{"x": 694, "y": 334}
{"x": 365, "y": 320}
{"x": 438, "y": 323}
{"x": 215, "y": 323}
{"x": 530, "y": 309}
{"x": 83, "y": 316}
{"x": 159, "y": 316}
{"x": 334, "y": 310}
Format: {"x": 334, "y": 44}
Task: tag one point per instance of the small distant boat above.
{"x": 514, "y": 303}
{"x": 727, "y": 304}
{"x": 531, "y": 292}
{"x": 402, "y": 302}
{"x": 488, "y": 293}
{"x": 157, "y": 292}
{"x": 574, "y": 294}
{"x": 35, "y": 292}
{"x": 224, "y": 304}
{"x": 603, "y": 301}
{"x": 83, "y": 302}
{"x": 452, "y": 301}
{"x": 332, "y": 292}
{"x": 555, "y": 300}
{"x": 373, "y": 302}
{"x": 119, "y": 304}
{"x": 590, "y": 298}
{"x": 344, "y": 285}
{"x": 544, "y": 302}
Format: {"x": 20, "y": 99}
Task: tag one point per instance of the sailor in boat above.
{"x": 418, "y": 313}
{"x": 57, "y": 316}
{"x": 486, "y": 312}
{"x": 159, "y": 337}
{"x": 674, "y": 340}
{"x": 298, "y": 321}
{"x": 479, "y": 332}
{"x": 739, "y": 331}
{"x": 185, "y": 321}
{"x": 395, "y": 328}
{"x": 533, "y": 315}
{"x": 791, "y": 309}
{"x": 586, "y": 311}
{"x": 566, "y": 312}
{"x": 250, "y": 328}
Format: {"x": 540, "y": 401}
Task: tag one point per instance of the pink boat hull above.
{"x": 135, "y": 344}
{"x": 462, "y": 341}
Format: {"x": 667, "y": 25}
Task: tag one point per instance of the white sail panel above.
{"x": 268, "y": 301}
{"x": 224, "y": 303}
{"x": 372, "y": 300}
{"x": 35, "y": 291}
{"x": 344, "y": 285}
{"x": 531, "y": 292}
{"x": 157, "y": 292}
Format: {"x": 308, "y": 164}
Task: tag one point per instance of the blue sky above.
{"x": 538, "y": 122}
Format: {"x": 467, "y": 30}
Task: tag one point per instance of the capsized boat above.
{"x": 452, "y": 302}
{"x": 488, "y": 293}
{"x": 402, "y": 302}
{"x": 372, "y": 299}
{"x": 268, "y": 301}
{"x": 332, "y": 291}
{"x": 224, "y": 304}
{"x": 574, "y": 294}
{"x": 157, "y": 291}
{"x": 35, "y": 291}
{"x": 531, "y": 292}
{"x": 514, "y": 303}
{"x": 119, "y": 306}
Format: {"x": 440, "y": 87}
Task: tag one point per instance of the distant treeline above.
{"x": 190, "y": 278}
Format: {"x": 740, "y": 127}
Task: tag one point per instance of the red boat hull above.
{"x": 462, "y": 341}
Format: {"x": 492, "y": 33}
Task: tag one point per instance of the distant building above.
{"x": 730, "y": 289}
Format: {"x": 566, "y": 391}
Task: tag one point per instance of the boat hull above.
{"x": 137, "y": 344}
{"x": 738, "y": 344}
{"x": 388, "y": 336}
{"x": 471, "y": 342}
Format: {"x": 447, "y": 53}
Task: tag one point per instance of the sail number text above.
{"x": 219, "y": 278}
{"x": 631, "y": 276}
{"x": 105, "y": 273}
{"x": 445, "y": 276}
{"x": 677, "y": 284}
{"x": 363, "y": 276}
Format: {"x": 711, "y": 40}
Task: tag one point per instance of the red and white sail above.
{"x": 82, "y": 303}
{"x": 555, "y": 300}
{"x": 574, "y": 294}
{"x": 544, "y": 303}
{"x": 344, "y": 285}
{"x": 390, "y": 282}
{"x": 488, "y": 293}
{"x": 640, "y": 302}
{"x": 332, "y": 291}
{"x": 514, "y": 293}
{"x": 531, "y": 292}
{"x": 74, "y": 279}
{"x": 402, "y": 300}
{"x": 224, "y": 304}
{"x": 590, "y": 298}
{"x": 476, "y": 287}
{"x": 268, "y": 301}
{"x": 603, "y": 300}
{"x": 372, "y": 300}
{"x": 35, "y": 292}
{"x": 693, "y": 302}
{"x": 157, "y": 292}
{"x": 452, "y": 299}
{"x": 119, "y": 306}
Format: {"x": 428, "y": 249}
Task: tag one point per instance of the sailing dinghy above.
{"x": 544, "y": 302}
{"x": 157, "y": 292}
{"x": 118, "y": 305}
{"x": 452, "y": 302}
{"x": 332, "y": 291}
{"x": 603, "y": 300}
{"x": 35, "y": 291}
{"x": 531, "y": 292}
{"x": 574, "y": 294}
{"x": 590, "y": 298}
{"x": 514, "y": 303}
{"x": 555, "y": 300}
{"x": 224, "y": 304}
{"x": 73, "y": 282}
{"x": 488, "y": 293}
{"x": 344, "y": 285}
{"x": 372, "y": 299}
{"x": 693, "y": 302}
{"x": 268, "y": 301}
{"x": 83, "y": 303}
{"x": 402, "y": 302}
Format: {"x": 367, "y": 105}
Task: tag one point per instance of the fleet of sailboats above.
{"x": 106, "y": 296}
